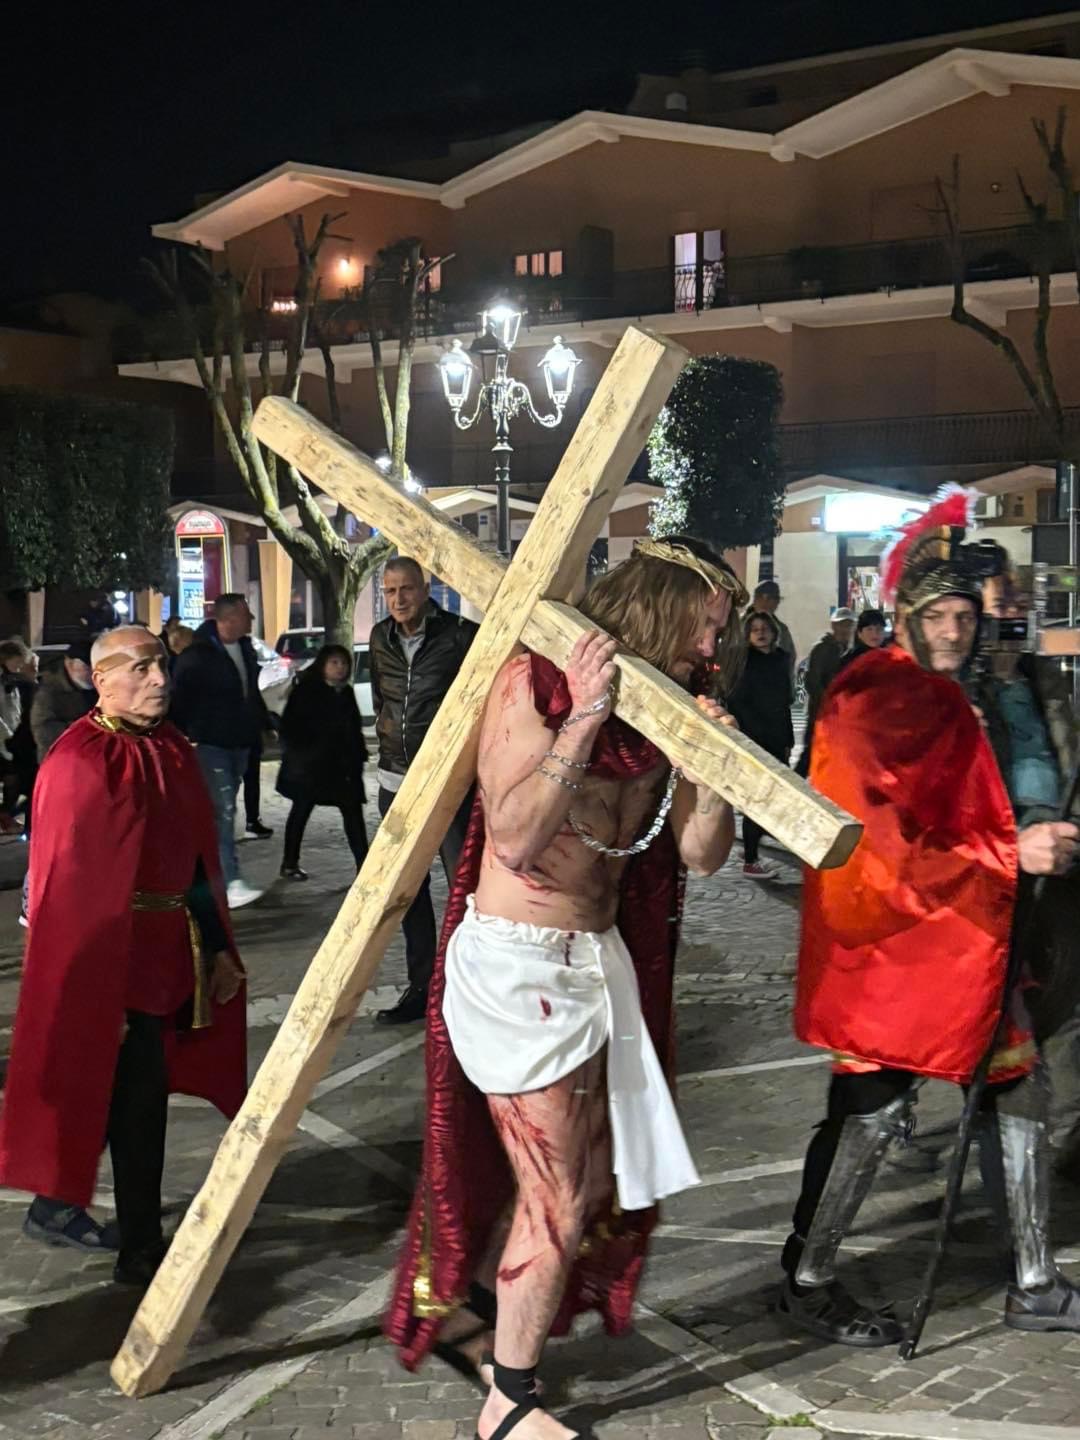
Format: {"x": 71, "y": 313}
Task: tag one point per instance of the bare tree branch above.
{"x": 949, "y": 196}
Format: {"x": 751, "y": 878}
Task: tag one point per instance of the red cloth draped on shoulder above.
{"x": 113, "y": 813}
{"x": 904, "y": 949}
{"x": 465, "y": 1183}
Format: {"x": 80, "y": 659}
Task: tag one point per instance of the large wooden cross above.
{"x": 522, "y": 601}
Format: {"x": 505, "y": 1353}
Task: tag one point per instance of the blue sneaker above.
{"x": 58, "y": 1224}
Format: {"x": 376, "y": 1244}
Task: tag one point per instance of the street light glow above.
{"x": 456, "y": 369}
{"x": 502, "y": 321}
{"x": 558, "y": 367}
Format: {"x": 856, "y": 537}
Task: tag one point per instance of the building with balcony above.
{"x": 817, "y": 245}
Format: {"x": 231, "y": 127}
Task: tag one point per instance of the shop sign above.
{"x": 853, "y": 513}
{"x": 199, "y": 522}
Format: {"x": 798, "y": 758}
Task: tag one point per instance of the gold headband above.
{"x": 713, "y": 575}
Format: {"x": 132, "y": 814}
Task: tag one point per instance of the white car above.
{"x": 276, "y": 676}
{"x": 298, "y": 648}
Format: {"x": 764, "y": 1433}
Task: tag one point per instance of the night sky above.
{"x": 118, "y": 115}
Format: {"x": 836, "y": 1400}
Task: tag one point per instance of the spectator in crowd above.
{"x": 168, "y": 632}
{"x": 99, "y": 615}
{"x": 216, "y": 702}
{"x": 766, "y": 601}
{"x": 324, "y": 755}
{"x": 822, "y": 667}
{"x": 869, "y": 635}
{"x": 415, "y": 654}
{"x": 761, "y": 703}
{"x": 18, "y": 753}
{"x": 254, "y": 829}
{"x": 65, "y": 695}
{"x": 180, "y": 637}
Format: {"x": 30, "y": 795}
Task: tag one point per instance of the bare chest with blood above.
{"x": 571, "y": 887}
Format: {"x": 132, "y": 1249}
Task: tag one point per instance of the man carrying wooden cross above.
{"x": 550, "y": 1015}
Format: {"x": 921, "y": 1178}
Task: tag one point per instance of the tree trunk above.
{"x": 339, "y": 593}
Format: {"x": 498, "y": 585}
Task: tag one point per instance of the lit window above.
{"x": 283, "y": 305}
{"x": 434, "y": 279}
{"x": 539, "y": 262}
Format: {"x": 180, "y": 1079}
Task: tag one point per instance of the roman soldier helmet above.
{"x": 928, "y": 559}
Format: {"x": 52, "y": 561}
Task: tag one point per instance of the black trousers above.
{"x": 859, "y": 1095}
{"x": 421, "y": 935}
{"x": 751, "y": 839}
{"x": 136, "y": 1133}
{"x": 296, "y": 824}
{"x": 253, "y": 784}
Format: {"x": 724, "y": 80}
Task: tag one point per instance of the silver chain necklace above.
{"x": 646, "y": 840}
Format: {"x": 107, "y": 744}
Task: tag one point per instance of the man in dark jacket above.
{"x": 822, "y": 667}
{"x": 415, "y": 654}
{"x": 216, "y": 702}
{"x": 65, "y": 695}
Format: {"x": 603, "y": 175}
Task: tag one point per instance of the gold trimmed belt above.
{"x": 158, "y": 902}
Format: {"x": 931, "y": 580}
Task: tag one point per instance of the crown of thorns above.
{"x": 714, "y": 576}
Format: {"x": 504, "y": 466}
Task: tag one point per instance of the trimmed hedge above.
{"x": 715, "y": 449}
{"x": 84, "y": 490}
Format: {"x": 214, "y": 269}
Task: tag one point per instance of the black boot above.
{"x": 138, "y": 1267}
{"x": 411, "y": 1007}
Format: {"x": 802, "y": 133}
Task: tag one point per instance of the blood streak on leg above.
{"x": 514, "y": 1272}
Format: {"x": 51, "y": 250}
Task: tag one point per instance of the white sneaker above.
{"x": 239, "y": 893}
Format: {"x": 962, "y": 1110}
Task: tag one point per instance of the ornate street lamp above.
{"x": 501, "y": 395}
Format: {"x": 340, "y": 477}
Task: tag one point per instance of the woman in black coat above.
{"x": 761, "y": 703}
{"x": 324, "y": 755}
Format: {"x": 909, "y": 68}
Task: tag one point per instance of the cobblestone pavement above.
{"x": 290, "y": 1348}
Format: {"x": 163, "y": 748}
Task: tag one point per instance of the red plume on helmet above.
{"x": 953, "y": 508}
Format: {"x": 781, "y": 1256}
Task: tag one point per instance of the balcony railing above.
{"x": 802, "y": 273}
{"x": 1009, "y": 437}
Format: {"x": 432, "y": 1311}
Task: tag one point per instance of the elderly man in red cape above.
{"x": 903, "y": 958}
{"x": 131, "y": 986}
{"x": 551, "y": 1130}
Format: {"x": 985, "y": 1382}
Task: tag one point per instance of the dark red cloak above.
{"x": 465, "y": 1183}
{"x": 113, "y": 813}
{"x": 904, "y": 949}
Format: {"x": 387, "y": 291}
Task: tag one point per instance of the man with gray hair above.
{"x": 415, "y": 654}
{"x": 131, "y": 985}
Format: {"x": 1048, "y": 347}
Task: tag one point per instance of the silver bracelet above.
{"x": 589, "y": 711}
{"x": 570, "y": 764}
{"x": 550, "y": 775}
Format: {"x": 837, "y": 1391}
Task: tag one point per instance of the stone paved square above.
{"x": 290, "y": 1346}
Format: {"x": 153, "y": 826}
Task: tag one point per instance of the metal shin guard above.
{"x": 1025, "y": 1153}
{"x": 863, "y": 1142}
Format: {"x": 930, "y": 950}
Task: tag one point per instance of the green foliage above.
{"x": 84, "y": 489}
{"x": 716, "y": 452}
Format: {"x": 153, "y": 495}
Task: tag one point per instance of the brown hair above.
{"x": 655, "y": 607}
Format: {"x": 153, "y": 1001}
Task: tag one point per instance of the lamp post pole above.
{"x": 502, "y": 450}
{"x": 504, "y": 397}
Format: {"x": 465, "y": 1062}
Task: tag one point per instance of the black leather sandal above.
{"x": 832, "y": 1313}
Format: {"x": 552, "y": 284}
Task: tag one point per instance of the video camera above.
{"x": 1028, "y": 588}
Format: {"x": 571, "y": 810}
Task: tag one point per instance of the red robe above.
{"x": 114, "y": 813}
{"x": 904, "y": 949}
{"x": 465, "y": 1183}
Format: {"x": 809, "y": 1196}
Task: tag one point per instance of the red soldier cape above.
{"x": 904, "y": 949}
{"x": 465, "y": 1182}
{"x": 112, "y": 812}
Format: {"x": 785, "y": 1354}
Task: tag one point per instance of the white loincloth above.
{"x": 526, "y": 1005}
